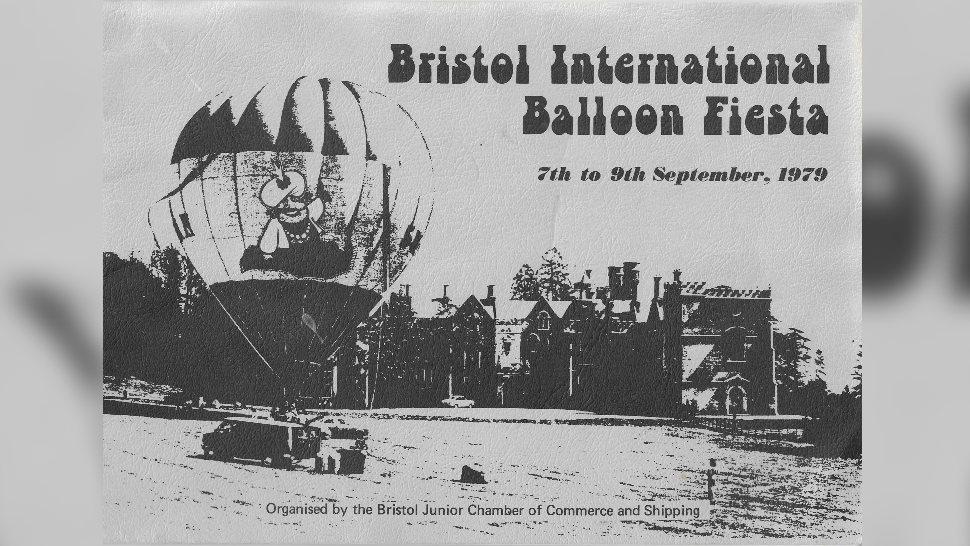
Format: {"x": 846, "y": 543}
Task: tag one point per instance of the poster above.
{"x": 467, "y": 273}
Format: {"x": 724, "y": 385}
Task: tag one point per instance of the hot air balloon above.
{"x": 299, "y": 206}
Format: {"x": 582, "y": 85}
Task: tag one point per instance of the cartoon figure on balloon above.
{"x": 293, "y": 240}
{"x": 299, "y": 206}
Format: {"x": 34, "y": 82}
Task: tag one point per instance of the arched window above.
{"x": 543, "y": 322}
{"x": 736, "y": 401}
{"x": 733, "y": 343}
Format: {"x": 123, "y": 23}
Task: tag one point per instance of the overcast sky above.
{"x": 163, "y": 61}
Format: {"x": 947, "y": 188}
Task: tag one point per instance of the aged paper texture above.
{"x": 477, "y": 273}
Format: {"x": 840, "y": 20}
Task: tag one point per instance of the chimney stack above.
{"x": 582, "y": 287}
{"x": 677, "y": 276}
{"x": 656, "y": 288}
{"x": 443, "y": 300}
{"x": 631, "y": 281}
{"x": 585, "y": 286}
{"x": 489, "y": 300}
{"x": 615, "y": 279}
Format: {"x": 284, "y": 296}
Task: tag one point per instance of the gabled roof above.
{"x": 447, "y": 313}
{"x": 560, "y": 307}
{"x": 724, "y": 377}
{"x": 474, "y": 304}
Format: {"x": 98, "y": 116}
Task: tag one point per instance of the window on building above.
{"x": 616, "y": 326}
{"x": 543, "y": 320}
{"x": 733, "y": 342}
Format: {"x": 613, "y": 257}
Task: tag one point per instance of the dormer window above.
{"x": 543, "y": 320}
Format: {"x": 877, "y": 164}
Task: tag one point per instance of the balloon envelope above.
{"x": 299, "y": 206}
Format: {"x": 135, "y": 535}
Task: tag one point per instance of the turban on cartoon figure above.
{"x": 299, "y": 206}
{"x": 293, "y": 240}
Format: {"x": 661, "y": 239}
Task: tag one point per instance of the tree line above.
{"x": 162, "y": 325}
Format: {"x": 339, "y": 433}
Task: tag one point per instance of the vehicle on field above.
{"x": 343, "y": 448}
{"x": 275, "y": 443}
{"x": 458, "y": 401}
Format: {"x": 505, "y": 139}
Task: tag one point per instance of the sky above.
{"x": 803, "y": 240}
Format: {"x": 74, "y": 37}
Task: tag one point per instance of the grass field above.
{"x": 157, "y": 487}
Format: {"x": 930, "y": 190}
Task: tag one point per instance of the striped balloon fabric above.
{"x": 308, "y": 198}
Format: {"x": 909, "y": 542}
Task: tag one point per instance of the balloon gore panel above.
{"x": 271, "y": 313}
{"x": 298, "y": 206}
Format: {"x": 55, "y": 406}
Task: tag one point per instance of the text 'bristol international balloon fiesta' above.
{"x": 298, "y": 206}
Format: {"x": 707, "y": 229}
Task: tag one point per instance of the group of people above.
{"x": 201, "y": 403}
{"x": 287, "y": 412}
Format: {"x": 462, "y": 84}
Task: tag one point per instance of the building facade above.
{"x": 692, "y": 348}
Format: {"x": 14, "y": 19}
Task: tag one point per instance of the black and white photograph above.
{"x": 482, "y": 273}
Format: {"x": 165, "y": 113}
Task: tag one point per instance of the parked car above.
{"x": 276, "y": 443}
{"x": 458, "y": 401}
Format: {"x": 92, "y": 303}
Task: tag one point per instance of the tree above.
{"x": 856, "y": 389}
{"x": 791, "y": 357}
{"x": 387, "y": 335}
{"x": 812, "y": 398}
{"x": 178, "y": 277}
{"x": 133, "y": 299}
{"x": 818, "y": 371}
{"x": 791, "y": 350}
{"x": 445, "y": 308}
{"x": 167, "y": 267}
{"x": 837, "y": 430}
{"x": 554, "y": 276}
{"x": 162, "y": 326}
{"x": 195, "y": 286}
{"x": 525, "y": 285}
